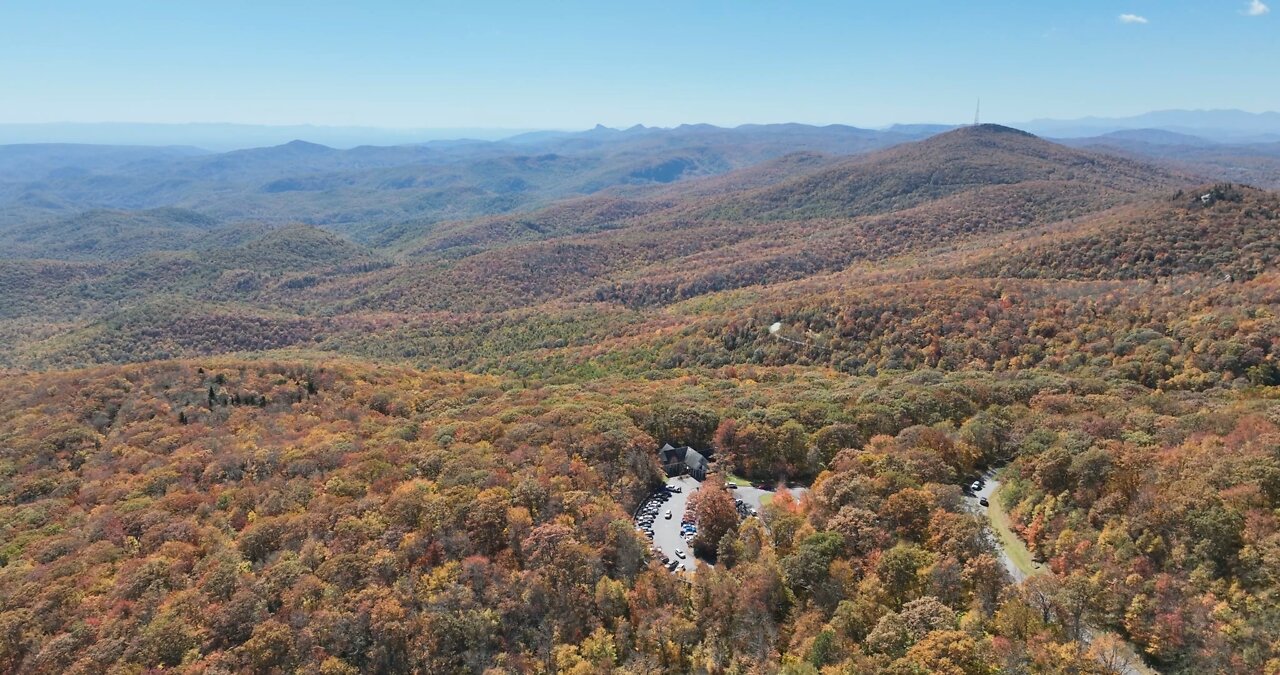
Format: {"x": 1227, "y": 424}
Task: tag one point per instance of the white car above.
{"x": 680, "y": 555}
{"x": 668, "y": 516}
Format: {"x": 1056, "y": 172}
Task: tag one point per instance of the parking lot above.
{"x": 666, "y": 538}
{"x": 668, "y": 535}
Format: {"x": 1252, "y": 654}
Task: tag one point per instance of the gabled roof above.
{"x": 672, "y": 455}
{"x": 685, "y": 454}
{"x": 694, "y": 459}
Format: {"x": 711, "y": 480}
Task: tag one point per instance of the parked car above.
{"x": 680, "y": 555}
{"x": 668, "y": 516}
{"x": 976, "y": 486}
{"x": 731, "y": 486}
{"x": 984, "y": 502}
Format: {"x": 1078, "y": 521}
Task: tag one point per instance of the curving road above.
{"x": 1018, "y": 560}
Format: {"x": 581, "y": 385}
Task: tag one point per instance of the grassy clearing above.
{"x": 738, "y": 480}
{"x": 1013, "y": 546}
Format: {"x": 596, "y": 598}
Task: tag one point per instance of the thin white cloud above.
{"x": 1134, "y": 18}
{"x": 1256, "y": 8}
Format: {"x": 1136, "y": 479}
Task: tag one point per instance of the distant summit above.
{"x": 1232, "y": 126}
{"x": 962, "y": 159}
{"x": 1156, "y": 137}
{"x": 298, "y": 145}
{"x": 984, "y": 130}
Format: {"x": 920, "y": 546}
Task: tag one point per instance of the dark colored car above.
{"x": 984, "y": 502}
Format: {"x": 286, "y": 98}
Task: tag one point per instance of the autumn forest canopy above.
{"x": 399, "y": 409}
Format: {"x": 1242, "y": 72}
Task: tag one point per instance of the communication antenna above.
{"x": 977, "y": 113}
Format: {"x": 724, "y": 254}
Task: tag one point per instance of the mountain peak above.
{"x": 984, "y": 135}
{"x": 987, "y": 130}
{"x": 962, "y": 160}
{"x": 305, "y": 146}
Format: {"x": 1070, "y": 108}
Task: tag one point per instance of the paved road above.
{"x": 988, "y": 491}
{"x": 666, "y": 533}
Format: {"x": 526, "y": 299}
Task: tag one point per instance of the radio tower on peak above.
{"x": 977, "y": 113}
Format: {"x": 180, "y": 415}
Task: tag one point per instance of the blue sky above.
{"x": 574, "y": 64}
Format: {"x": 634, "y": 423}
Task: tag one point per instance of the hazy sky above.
{"x": 574, "y": 64}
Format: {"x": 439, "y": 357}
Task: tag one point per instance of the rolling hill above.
{"x": 106, "y": 235}
{"x": 785, "y": 220}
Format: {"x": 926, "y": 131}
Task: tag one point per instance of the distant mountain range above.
{"x": 222, "y": 137}
{"x": 387, "y": 195}
{"x": 1233, "y": 126}
{"x": 365, "y": 189}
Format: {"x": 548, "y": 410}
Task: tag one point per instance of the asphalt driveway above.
{"x": 753, "y": 497}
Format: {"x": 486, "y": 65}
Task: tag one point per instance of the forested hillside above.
{"x": 253, "y": 421}
{"x": 228, "y": 515}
